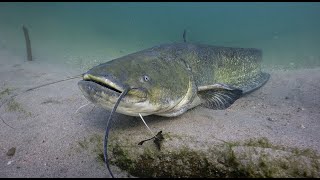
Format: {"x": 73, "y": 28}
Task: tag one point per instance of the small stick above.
{"x": 184, "y": 35}
{"x": 157, "y": 140}
{"x": 28, "y": 45}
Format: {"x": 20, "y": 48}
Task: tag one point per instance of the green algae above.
{"x": 186, "y": 162}
{"x": 251, "y": 158}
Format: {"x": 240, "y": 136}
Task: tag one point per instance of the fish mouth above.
{"x": 105, "y": 90}
{"x": 106, "y": 84}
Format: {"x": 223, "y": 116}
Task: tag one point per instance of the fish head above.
{"x": 156, "y": 84}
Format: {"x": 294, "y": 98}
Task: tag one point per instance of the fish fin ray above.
{"x": 219, "y": 96}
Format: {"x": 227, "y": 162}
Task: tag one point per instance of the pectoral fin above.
{"x": 218, "y": 96}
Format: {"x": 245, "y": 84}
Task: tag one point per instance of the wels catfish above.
{"x": 169, "y": 79}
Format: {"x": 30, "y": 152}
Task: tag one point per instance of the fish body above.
{"x": 169, "y": 79}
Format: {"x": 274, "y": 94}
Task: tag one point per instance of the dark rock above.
{"x": 269, "y": 119}
{"x": 11, "y": 151}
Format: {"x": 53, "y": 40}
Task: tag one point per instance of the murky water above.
{"x": 85, "y": 34}
{"x": 82, "y": 35}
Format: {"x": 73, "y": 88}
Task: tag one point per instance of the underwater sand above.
{"x": 48, "y": 134}
{"x": 52, "y": 140}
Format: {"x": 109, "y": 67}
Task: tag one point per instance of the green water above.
{"x": 85, "y": 34}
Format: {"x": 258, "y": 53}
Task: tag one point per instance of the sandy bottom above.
{"x": 45, "y": 129}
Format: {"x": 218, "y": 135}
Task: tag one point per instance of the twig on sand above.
{"x": 157, "y": 140}
{"x": 28, "y": 44}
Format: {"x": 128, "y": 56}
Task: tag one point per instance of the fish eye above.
{"x": 146, "y": 78}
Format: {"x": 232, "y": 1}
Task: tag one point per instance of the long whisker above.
{"x": 146, "y": 124}
{"x": 12, "y": 97}
{"x": 109, "y": 123}
{"x": 74, "y": 77}
{"x": 82, "y": 107}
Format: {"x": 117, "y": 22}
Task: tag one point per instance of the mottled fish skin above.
{"x": 212, "y": 64}
{"x": 169, "y": 79}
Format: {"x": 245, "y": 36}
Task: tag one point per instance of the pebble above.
{"x": 11, "y": 151}
{"x": 269, "y": 119}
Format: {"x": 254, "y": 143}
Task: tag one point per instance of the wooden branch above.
{"x": 28, "y": 45}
